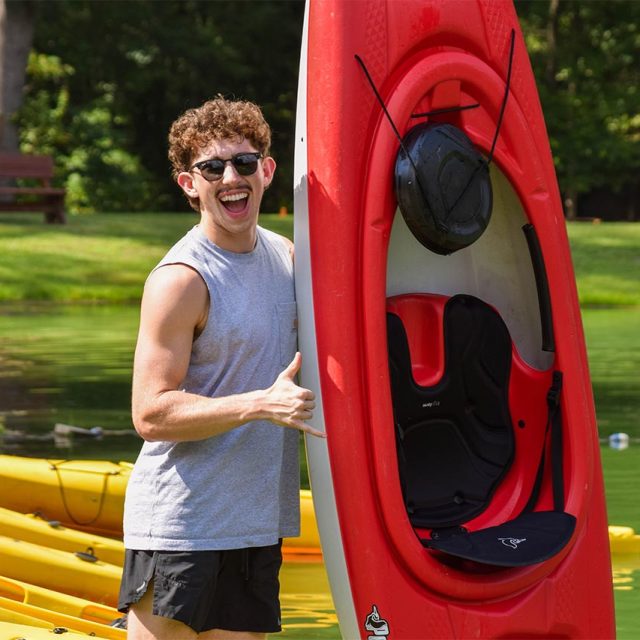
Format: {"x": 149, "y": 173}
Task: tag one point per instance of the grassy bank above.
{"x": 106, "y": 258}
{"x": 606, "y": 258}
{"x": 100, "y": 258}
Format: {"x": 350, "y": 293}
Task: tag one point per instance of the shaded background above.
{"x": 104, "y": 80}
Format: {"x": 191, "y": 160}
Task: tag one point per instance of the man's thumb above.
{"x": 293, "y": 367}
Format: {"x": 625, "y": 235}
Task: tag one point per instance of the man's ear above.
{"x": 186, "y": 183}
{"x": 268, "y": 169}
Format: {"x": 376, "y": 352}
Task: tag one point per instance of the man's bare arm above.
{"x": 174, "y": 307}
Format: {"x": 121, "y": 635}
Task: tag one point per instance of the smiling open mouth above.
{"x": 234, "y": 202}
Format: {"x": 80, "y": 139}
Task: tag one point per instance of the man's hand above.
{"x": 290, "y": 405}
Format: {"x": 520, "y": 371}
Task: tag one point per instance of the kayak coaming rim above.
{"x": 420, "y": 79}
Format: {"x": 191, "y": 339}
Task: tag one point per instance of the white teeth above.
{"x": 233, "y": 197}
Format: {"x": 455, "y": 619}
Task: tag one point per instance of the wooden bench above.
{"x": 43, "y": 197}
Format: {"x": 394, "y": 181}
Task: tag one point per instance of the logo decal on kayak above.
{"x": 512, "y": 542}
{"x": 377, "y": 625}
{"x": 433, "y": 403}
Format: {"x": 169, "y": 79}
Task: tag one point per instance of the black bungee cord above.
{"x": 484, "y": 164}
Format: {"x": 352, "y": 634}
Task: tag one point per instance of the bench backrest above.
{"x": 17, "y": 165}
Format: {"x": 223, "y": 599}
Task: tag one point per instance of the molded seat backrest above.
{"x": 454, "y": 437}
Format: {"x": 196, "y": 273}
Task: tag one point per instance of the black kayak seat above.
{"x": 455, "y": 435}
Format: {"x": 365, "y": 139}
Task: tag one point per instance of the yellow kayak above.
{"x": 20, "y": 613}
{"x": 12, "y": 631}
{"x": 88, "y": 495}
{"x": 624, "y": 540}
{"x": 22, "y": 592}
{"x": 52, "y": 534}
{"x": 16, "y": 616}
{"x": 31, "y": 528}
{"x": 60, "y": 570}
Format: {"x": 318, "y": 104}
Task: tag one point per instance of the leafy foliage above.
{"x": 584, "y": 55}
{"x": 108, "y": 79}
{"x": 89, "y": 143}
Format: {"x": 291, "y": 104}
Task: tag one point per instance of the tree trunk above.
{"x": 552, "y": 40}
{"x": 17, "y": 19}
{"x": 3, "y": 29}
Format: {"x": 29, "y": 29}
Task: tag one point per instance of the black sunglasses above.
{"x": 245, "y": 164}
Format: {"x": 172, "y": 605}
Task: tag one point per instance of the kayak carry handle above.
{"x": 87, "y": 556}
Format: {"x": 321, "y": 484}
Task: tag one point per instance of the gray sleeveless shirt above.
{"x": 241, "y": 488}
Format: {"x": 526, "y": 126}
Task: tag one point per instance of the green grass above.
{"x": 106, "y": 258}
{"x": 606, "y": 259}
{"x": 99, "y": 258}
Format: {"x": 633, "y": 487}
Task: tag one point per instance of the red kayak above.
{"x": 459, "y": 492}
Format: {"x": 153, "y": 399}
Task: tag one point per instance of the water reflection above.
{"x": 307, "y": 608}
{"x": 626, "y": 585}
{"x": 63, "y": 438}
{"x": 624, "y": 579}
{"x": 71, "y": 365}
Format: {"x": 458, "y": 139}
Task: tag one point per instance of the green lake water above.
{"x": 72, "y": 365}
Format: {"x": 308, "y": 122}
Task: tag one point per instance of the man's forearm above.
{"x": 178, "y": 416}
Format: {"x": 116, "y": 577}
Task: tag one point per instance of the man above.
{"x": 216, "y": 485}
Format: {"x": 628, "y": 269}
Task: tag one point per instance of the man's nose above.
{"x": 229, "y": 175}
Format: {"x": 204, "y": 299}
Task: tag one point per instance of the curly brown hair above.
{"x": 216, "y": 119}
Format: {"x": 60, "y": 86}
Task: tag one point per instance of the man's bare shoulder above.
{"x": 176, "y": 289}
{"x": 177, "y": 278}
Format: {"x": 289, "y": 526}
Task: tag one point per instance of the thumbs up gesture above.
{"x": 292, "y": 368}
{"x": 290, "y": 405}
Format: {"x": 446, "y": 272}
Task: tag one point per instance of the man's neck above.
{"x": 242, "y": 242}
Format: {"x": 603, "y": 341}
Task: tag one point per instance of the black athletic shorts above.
{"x": 236, "y": 590}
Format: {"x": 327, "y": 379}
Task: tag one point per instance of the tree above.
{"x": 134, "y": 66}
{"x": 584, "y": 55}
{"x": 17, "y": 21}
{"x": 106, "y": 79}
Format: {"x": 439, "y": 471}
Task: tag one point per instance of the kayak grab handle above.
{"x": 542, "y": 285}
{"x": 87, "y": 556}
